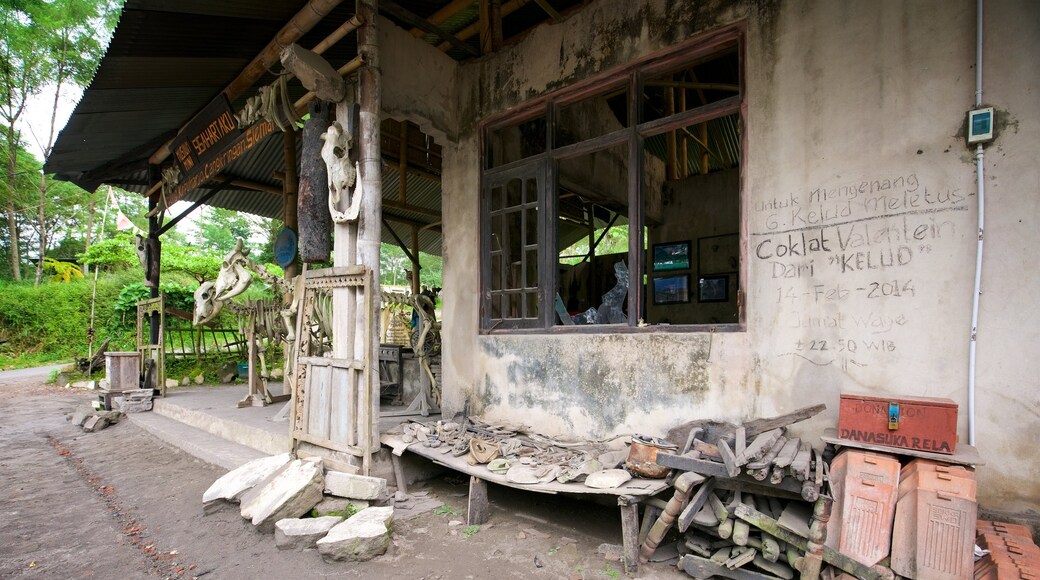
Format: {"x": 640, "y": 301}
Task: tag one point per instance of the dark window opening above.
{"x": 592, "y": 219}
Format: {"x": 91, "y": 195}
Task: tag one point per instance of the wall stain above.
{"x": 602, "y": 379}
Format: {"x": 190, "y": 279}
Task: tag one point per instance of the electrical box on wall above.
{"x": 980, "y": 125}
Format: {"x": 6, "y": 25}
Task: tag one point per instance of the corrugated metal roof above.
{"x": 169, "y": 58}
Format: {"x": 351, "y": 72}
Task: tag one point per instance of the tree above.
{"x": 23, "y": 72}
{"x": 219, "y": 229}
{"x": 70, "y": 29}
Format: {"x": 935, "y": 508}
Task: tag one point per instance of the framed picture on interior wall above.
{"x": 713, "y": 289}
{"x": 672, "y": 256}
{"x": 672, "y": 289}
{"x": 718, "y": 254}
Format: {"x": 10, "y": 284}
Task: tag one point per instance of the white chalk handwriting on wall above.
{"x": 848, "y": 262}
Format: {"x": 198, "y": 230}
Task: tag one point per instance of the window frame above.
{"x": 631, "y": 76}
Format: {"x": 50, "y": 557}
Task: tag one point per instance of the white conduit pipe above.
{"x": 979, "y": 171}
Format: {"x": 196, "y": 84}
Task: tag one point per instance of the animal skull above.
{"x": 206, "y": 307}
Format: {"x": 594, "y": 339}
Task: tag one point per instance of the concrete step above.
{"x": 252, "y": 426}
{"x": 196, "y": 442}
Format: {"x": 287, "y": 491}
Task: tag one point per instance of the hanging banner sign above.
{"x": 205, "y": 136}
{"x": 221, "y": 158}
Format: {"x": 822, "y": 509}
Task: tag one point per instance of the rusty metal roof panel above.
{"x": 167, "y": 59}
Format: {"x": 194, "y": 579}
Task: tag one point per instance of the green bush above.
{"x": 50, "y": 323}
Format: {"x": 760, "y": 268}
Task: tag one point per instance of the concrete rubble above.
{"x": 362, "y": 537}
{"x": 289, "y": 493}
{"x": 302, "y": 533}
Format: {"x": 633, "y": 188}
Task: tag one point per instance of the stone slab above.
{"x": 236, "y": 482}
{"x": 302, "y": 533}
{"x": 360, "y": 538}
{"x": 353, "y": 486}
{"x": 290, "y": 493}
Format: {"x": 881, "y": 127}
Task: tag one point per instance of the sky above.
{"x": 35, "y": 122}
{"x": 35, "y": 125}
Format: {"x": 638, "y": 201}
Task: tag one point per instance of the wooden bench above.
{"x": 630, "y": 496}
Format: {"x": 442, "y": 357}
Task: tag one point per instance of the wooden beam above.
{"x": 410, "y": 222}
{"x": 443, "y": 14}
{"x": 415, "y": 262}
{"x": 397, "y": 11}
{"x": 485, "y": 26}
{"x": 400, "y": 242}
{"x": 253, "y": 185}
{"x": 695, "y": 85}
{"x": 355, "y": 64}
{"x": 544, "y": 4}
{"x": 304, "y": 20}
{"x": 212, "y": 190}
{"x": 403, "y": 163}
{"x": 411, "y": 208}
{"x": 495, "y": 16}
{"x": 474, "y": 29}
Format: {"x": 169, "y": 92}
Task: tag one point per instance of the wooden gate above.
{"x": 332, "y": 398}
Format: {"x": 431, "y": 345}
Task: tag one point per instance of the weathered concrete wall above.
{"x": 418, "y": 82}
{"x": 859, "y": 215}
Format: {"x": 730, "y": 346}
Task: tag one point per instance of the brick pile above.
{"x": 1012, "y": 553}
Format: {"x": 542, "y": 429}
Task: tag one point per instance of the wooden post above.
{"x": 704, "y": 143}
{"x": 630, "y": 532}
{"x": 402, "y": 170}
{"x": 684, "y": 157}
{"x": 290, "y": 187}
{"x": 370, "y": 222}
{"x": 477, "y": 511}
{"x": 485, "y": 26}
{"x": 671, "y": 163}
{"x": 313, "y": 197}
{"x": 153, "y": 267}
{"x": 415, "y": 262}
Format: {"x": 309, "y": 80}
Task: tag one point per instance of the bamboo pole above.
{"x": 369, "y": 229}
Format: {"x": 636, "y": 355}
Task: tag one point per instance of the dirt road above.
{"x": 122, "y": 504}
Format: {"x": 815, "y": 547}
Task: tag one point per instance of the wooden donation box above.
{"x": 919, "y": 423}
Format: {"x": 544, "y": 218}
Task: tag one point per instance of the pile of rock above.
{"x": 276, "y": 493}
{"x": 91, "y": 420}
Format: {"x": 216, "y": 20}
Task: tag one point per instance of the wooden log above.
{"x": 315, "y": 73}
{"x": 687, "y": 463}
{"x": 801, "y": 461}
{"x": 741, "y": 532}
{"x": 770, "y": 455}
{"x": 787, "y": 454}
{"x": 707, "y": 450}
{"x": 703, "y": 493}
{"x": 315, "y": 221}
{"x": 831, "y": 556}
{"x": 741, "y": 556}
{"x": 759, "y": 447}
{"x": 740, "y": 441}
{"x": 756, "y": 426}
{"x": 683, "y": 486}
{"x": 731, "y": 461}
{"x": 717, "y": 507}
